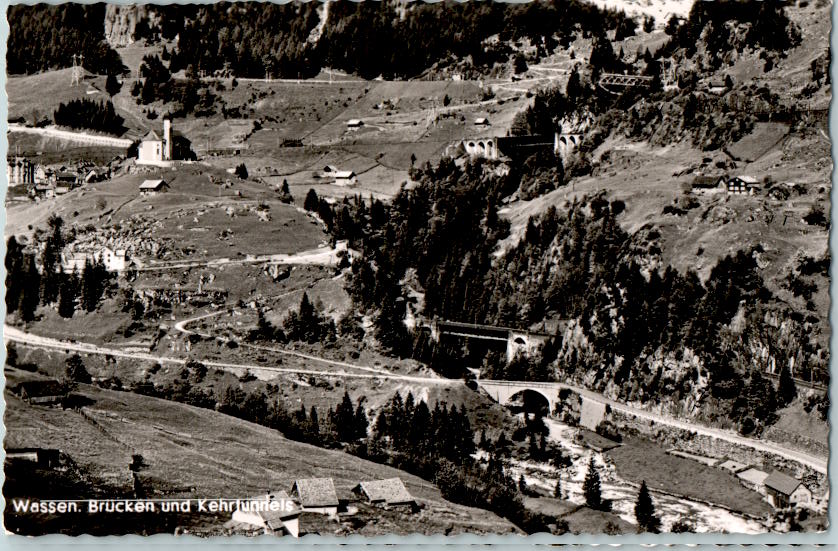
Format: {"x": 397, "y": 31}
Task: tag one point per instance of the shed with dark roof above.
{"x": 390, "y": 492}
{"x": 317, "y": 495}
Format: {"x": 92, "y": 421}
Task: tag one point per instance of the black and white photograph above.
{"x": 386, "y": 268}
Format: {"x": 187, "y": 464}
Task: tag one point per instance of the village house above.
{"x": 153, "y": 187}
{"x": 354, "y": 123}
{"x": 66, "y": 179}
{"x": 345, "y": 178}
{"x": 316, "y": 495}
{"x": 481, "y": 121}
{"x": 708, "y": 184}
{"x": 276, "y": 520}
{"x": 114, "y": 261}
{"x": 741, "y": 185}
{"x": 43, "y": 191}
{"x": 716, "y": 87}
{"x": 389, "y": 493}
{"x": 154, "y": 150}
{"x": 786, "y": 491}
{"x": 41, "y": 392}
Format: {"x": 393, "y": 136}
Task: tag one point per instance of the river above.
{"x": 704, "y": 518}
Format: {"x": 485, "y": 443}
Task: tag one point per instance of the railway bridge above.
{"x": 517, "y": 341}
{"x": 625, "y": 81}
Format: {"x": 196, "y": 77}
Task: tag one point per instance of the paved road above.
{"x": 79, "y": 137}
{"x": 16, "y": 335}
{"x": 819, "y": 464}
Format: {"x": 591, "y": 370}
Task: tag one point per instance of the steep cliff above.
{"x": 121, "y": 21}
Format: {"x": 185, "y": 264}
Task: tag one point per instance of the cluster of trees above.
{"x": 306, "y": 324}
{"x": 350, "y": 219}
{"x": 28, "y": 286}
{"x": 191, "y": 95}
{"x": 44, "y": 37}
{"x": 438, "y": 445}
{"x": 411, "y": 434}
{"x": 85, "y": 113}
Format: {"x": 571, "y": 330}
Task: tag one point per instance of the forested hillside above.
{"x": 370, "y": 39}
{"x": 44, "y": 37}
{"x": 637, "y": 333}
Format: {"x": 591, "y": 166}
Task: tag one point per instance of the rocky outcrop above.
{"x": 120, "y": 22}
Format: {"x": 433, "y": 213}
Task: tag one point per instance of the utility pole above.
{"x": 78, "y": 69}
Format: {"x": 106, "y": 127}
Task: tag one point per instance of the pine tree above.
{"x": 591, "y": 487}
{"x": 74, "y": 370}
{"x": 30, "y": 295}
{"x": 285, "y": 193}
{"x": 483, "y": 443}
{"x": 112, "y": 85}
{"x": 360, "y": 421}
{"x": 14, "y": 274}
{"x": 312, "y": 203}
{"x": 786, "y": 389}
{"x": 644, "y": 511}
{"x": 502, "y": 444}
{"x": 557, "y": 491}
{"x": 345, "y": 419}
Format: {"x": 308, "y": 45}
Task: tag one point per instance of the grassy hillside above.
{"x": 193, "y": 452}
{"x": 190, "y": 215}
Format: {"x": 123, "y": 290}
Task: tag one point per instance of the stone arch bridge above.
{"x": 593, "y": 411}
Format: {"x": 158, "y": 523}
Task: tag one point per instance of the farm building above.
{"x": 354, "y": 123}
{"x": 153, "y": 187}
{"x": 481, "y": 121}
{"x": 389, "y": 493}
{"x": 154, "y": 150}
{"x": 271, "y": 513}
{"x": 786, "y": 491}
{"x": 43, "y": 457}
{"x": 316, "y": 495}
{"x": 42, "y": 392}
{"x": 345, "y": 178}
